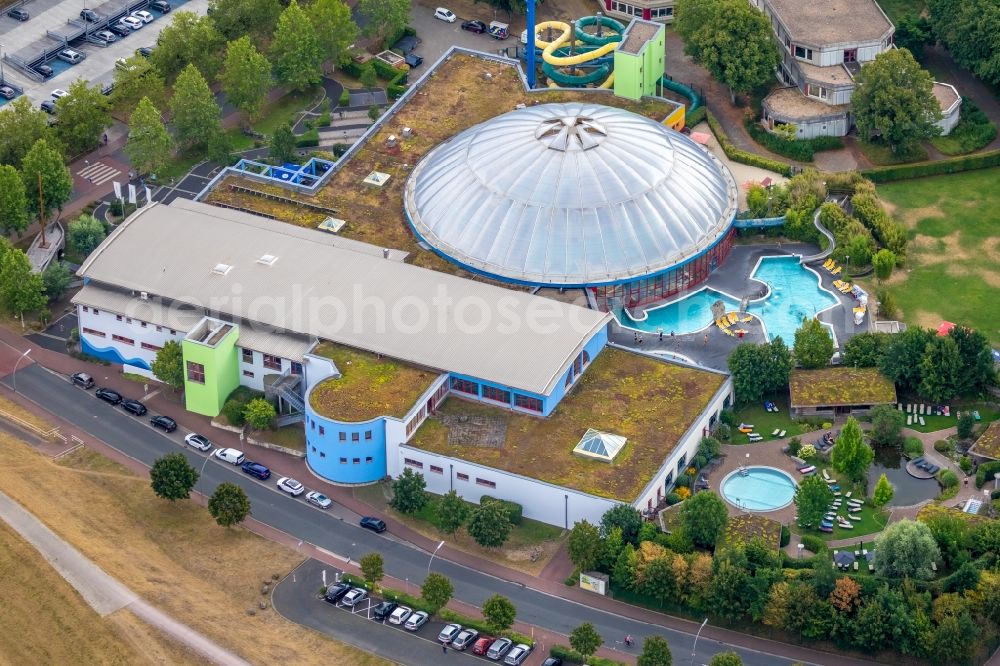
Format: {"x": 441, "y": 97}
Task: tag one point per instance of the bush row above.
{"x": 416, "y": 603}
{"x": 236, "y": 402}
{"x": 693, "y": 118}
{"x": 802, "y": 150}
{"x": 482, "y": 627}
{"x": 868, "y": 209}
{"x": 742, "y": 156}
{"x": 986, "y": 471}
{"x": 905, "y": 171}
{"x": 813, "y": 543}
{"x": 514, "y": 510}
{"x": 309, "y": 138}
{"x": 571, "y": 655}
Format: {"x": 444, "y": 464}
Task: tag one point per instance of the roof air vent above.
{"x": 267, "y": 259}
{"x": 222, "y": 269}
{"x": 567, "y": 133}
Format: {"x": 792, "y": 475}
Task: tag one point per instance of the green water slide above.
{"x": 684, "y": 90}
{"x": 613, "y": 35}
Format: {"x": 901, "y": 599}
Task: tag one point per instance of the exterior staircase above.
{"x": 287, "y": 389}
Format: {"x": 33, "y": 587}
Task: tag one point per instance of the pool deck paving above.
{"x": 710, "y": 347}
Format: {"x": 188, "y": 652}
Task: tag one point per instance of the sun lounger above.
{"x": 854, "y": 517}
{"x": 754, "y": 437}
{"x": 921, "y": 409}
{"x": 933, "y": 566}
{"x": 826, "y": 476}
{"x": 871, "y": 567}
{"x": 975, "y": 415}
{"x": 918, "y": 460}
{"x": 899, "y": 406}
{"x": 848, "y": 493}
{"x": 847, "y": 525}
{"x": 835, "y": 486}
{"x": 807, "y": 469}
{"x": 745, "y": 430}
{"x": 909, "y": 419}
{"x": 829, "y": 263}
{"x": 855, "y": 565}
{"x": 835, "y": 271}
{"x": 933, "y": 469}
{"x": 747, "y": 320}
{"x": 846, "y": 289}
{"x": 947, "y": 410}
{"x": 728, "y": 332}
{"x": 922, "y": 421}
{"x": 826, "y": 528}
{"x": 782, "y": 433}
{"x": 864, "y": 551}
{"x": 775, "y": 433}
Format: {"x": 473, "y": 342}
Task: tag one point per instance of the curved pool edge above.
{"x": 722, "y": 489}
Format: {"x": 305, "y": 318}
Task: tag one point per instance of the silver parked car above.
{"x": 354, "y": 597}
{"x": 517, "y": 655}
{"x": 449, "y": 632}
{"x": 499, "y": 648}
{"x": 416, "y": 621}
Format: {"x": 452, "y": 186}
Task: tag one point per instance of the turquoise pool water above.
{"x": 762, "y": 489}
{"x": 794, "y": 295}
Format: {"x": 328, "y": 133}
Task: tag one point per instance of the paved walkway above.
{"x": 104, "y": 593}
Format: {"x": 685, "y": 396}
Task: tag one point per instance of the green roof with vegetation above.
{"x": 746, "y": 527}
{"x": 370, "y": 386}
{"x": 988, "y": 444}
{"x": 839, "y": 386}
{"x": 648, "y": 401}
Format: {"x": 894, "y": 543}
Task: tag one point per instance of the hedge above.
{"x": 310, "y": 138}
{"x": 482, "y": 627}
{"x": 514, "y": 510}
{"x": 947, "y": 478}
{"x": 742, "y": 156}
{"x": 345, "y": 97}
{"x": 416, "y": 603}
{"x": 986, "y": 471}
{"x": 813, "y": 543}
{"x": 236, "y": 402}
{"x": 568, "y": 654}
{"x": 802, "y": 150}
{"x": 888, "y": 174}
{"x": 695, "y": 117}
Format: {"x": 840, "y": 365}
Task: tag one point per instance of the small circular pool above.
{"x": 758, "y": 489}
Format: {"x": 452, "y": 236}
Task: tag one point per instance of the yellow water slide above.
{"x": 589, "y": 53}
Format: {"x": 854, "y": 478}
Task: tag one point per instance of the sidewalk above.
{"x": 12, "y": 344}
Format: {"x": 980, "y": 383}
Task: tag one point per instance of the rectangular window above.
{"x": 484, "y": 482}
{"x": 437, "y": 470}
{"x": 149, "y": 347}
{"x": 322, "y": 454}
{"x": 413, "y": 463}
{"x": 342, "y": 436}
{"x": 119, "y": 317}
{"x": 195, "y": 372}
{"x": 173, "y": 332}
{"x": 247, "y": 355}
{"x": 816, "y": 91}
{"x": 527, "y": 402}
{"x": 850, "y": 55}
{"x": 494, "y": 393}
{"x": 462, "y": 477}
{"x": 128, "y": 320}
{"x": 343, "y": 461}
{"x": 312, "y": 424}
{"x": 247, "y": 373}
{"x": 272, "y": 362}
{"x": 803, "y": 52}
{"x": 464, "y": 386}
{"x": 356, "y": 461}
{"x": 368, "y": 434}
{"x": 369, "y": 460}
{"x": 355, "y": 437}
{"x": 143, "y": 324}
{"x": 122, "y": 339}
{"x": 296, "y": 368}
{"x": 86, "y": 309}
{"x": 90, "y": 331}
{"x": 322, "y": 430}
{"x": 159, "y": 329}
{"x": 681, "y": 464}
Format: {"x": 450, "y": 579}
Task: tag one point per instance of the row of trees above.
{"x": 173, "y": 478}
{"x": 37, "y": 182}
{"x": 969, "y": 29}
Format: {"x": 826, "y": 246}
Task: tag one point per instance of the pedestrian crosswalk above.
{"x": 98, "y": 173}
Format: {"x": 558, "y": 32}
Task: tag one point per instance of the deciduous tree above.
{"x": 657, "y": 580}
{"x": 334, "y": 27}
{"x": 21, "y": 125}
{"x": 704, "y": 517}
{"x": 408, "y": 494}
{"x": 499, "y": 613}
{"x": 893, "y": 101}
{"x": 372, "y": 568}
{"x": 584, "y": 545}
{"x": 282, "y": 147}
{"x": 436, "y": 591}
{"x": 900, "y": 361}
{"x": 489, "y": 524}
{"x": 865, "y": 350}
{"x": 655, "y": 652}
{"x": 812, "y": 499}
{"x": 970, "y": 30}
{"x": 21, "y": 290}
{"x": 296, "y": 50}
{"x": 776, "y": 610}
{"x": 626, "y": 568}
{"x": 759, "y": 370}
{"x": 813, "y": 344}
{"x": 85, "y": 233}
{"x": 149, "y": 145}
{"x": 585, "y": 640}
{"x": 168, "y": 365}
{"x": 846, "y": 595}
{"x": 259, "y": 414}
{"x": 977, "y": 360}
{"x": 240, "y": 18}
{"x": 883, "y": 492}
{"x": 452, "y": 512}
{"x": 195, "y": 114}
{"x": 13, "y": 201}
{"x": 906, "y": 549}
{"x": 941, "y": 370}
{"x": 887, "y": 426}
{"x": 624, "y": 517}
{"x": 56, "y": 279}
{"x": 229, "y": 505}
{"x": 57, "y": 182}
{"x": 385, "y": 17}
{"x": 172, "y": 477}
{"x": 726, "y": 659}
{"x": 134, "y": 79}
{"x": 189, "y": 40}
{"x": 850, "y": 455}
{"x": 246, "y": 76}
{"x": 884, "y": 261}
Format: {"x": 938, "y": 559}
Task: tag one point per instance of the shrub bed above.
{"x": 236, "y": 402}
{"x": 742, "y": 156}
{"x": 570, "y": 655}
{"x": 802, "y": 150}
{"x": 693, "y": 118}
{"x": 973, "y": 131}
{"x": 482, "y": 627}
{"x": 310, "y": 138}
{"x": 986, "y": 471}
{"x": 813, "y": 543}
{"x": 514, "y": 510}
{"x": 955, "y": 165}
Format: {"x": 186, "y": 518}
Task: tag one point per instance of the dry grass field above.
{"x": 173, "y": 555}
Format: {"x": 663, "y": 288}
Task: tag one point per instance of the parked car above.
{"x": 161, "y": 6}
{"x": 45, "y": 71}
{"x": 373, "y": 524}
{"x": 256, "y": 469}
{"x": 18, "y": 14}
{"x": 48, "y": 106}
{"x": 517, "y": 655}
{"x": 413, "y": 60}
{"x": 499, "y": 648}
{"x": 90, "y": 16}
{"x": 120, "y": 29}
{"x": 123, "y": 64}
{"x": 400, "y": 615}
{"x": 70, "y": 56}
{"x": 464, "y": 639}
{"x": 482, "y": 644}
{"x": 106, "y": 35}
{"x": 109, "y": 396}
{"x": 383, "y": 610}
{"x": 199, "y": 442}
{"x": 132, "y": 22}
{"x": 7, "y": 92}
{"x": 445, "y": 15}
{"x": 231, "y": 456}
{"x": 499, "y": 30}
{"x": 475, "y": 25}
{"x": 335, "y": 593}
{"x": 133, "y": 407}
{"x": 449, "y": 632}
{"x": 354, "y": 597}
{"x": 59, "y": 92}
{"x": 144, "y": 51}
{"x": 553, "y": 661}
{"x": 164, "y": 423}
{"x": 291, "y": 486}
{"x": 416, "y": 621}
{"x": 318, "y": 499}
{"x": 83, "y": 380}
{"x": 143, "y": 16}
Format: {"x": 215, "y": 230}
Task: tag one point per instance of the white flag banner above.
{"x": 131, "y": 193}
{"x": 118, "y": 189}
{"x": 149, "y": 197}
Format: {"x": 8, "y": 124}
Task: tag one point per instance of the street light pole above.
{"x": 13, "y": 375}
{"x": 694, "y": 648}
{"x": 430, "y": 561}
{"x": 201, "y": 472}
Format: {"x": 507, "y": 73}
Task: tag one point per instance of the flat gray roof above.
{"x": 219, "y": 260}
{"x": 830, "y": 22}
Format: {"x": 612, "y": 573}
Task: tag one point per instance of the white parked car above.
{"x": 354, "y": 597}
{"x": 291, "y": 486}
{"x": 319, "y": 499}
{"x": 199, "y": 442}
{"x": 231, "y": 456}
{"x": 445, "y": 15}
{"x": 132, "y": 22}
{"x": 400, "y": 615}
{"x": 145, "y": 17}
{"x": 59, "y": 92}
{"x": 416, "y": 621}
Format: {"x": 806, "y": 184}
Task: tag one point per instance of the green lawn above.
{"x": 987, "y": 413}
{"x": 951, "y": 270}
{"x": 897, "y": 9}
{"x": 882, "y": 155}
{"x": 285, "y": 109}
{"x": 766, "y": 422}
{"x": 872, "y": 521}
{"x": 291, "y": 437}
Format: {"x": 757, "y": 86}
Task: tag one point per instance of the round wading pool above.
{"x": 758, "y": 489}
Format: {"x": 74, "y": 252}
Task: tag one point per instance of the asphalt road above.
{"x": 134, "y": 437}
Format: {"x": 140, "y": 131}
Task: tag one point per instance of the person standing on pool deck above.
{"x": 706, "y": 338}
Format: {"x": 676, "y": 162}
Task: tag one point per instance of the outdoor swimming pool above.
{"x": 758, "y": 489}
{"x": 794, "y": 295}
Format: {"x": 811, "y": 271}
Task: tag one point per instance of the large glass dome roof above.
{"x": 570, "y": 194}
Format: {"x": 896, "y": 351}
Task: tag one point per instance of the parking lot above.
{"x": 436, "y": 36}
{"x": 99, "y": 63}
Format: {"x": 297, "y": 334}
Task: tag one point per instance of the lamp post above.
{"x": 694, "y": 648}
{"x": 201, "y": 472}
{"x": 430, "y": 561}
{"x": 13, "y": 375}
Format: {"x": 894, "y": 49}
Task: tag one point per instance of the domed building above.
{"x": 577, "y": 195}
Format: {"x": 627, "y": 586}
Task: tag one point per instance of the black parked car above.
{"x": 165, "y": 423}
{"x": 256, "y": 469}
{"x": 144, "y": 51}
{"x": 90, "y": 16}
{"x": 133, "y": 407}
{"x": 108, "y": 395}
{"x": 48, "y": 106}
{"x": 120, "y": 29}
{"x": 373, "y": 524}
{"x": 45, "y": 70}
{"x": 335, "y": 593}
{"x": 384, "y": 610}
{"x": 161, "y": 6}
{"x": 18, "y": 14}
{"x": 474, "y": 26}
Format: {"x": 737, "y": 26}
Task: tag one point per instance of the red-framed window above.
{"x": 413, "y": 463}
{"x": 195, "y": 372}
{"x": 149, "y": 347}
{"x": 247, "y": 355}
{"x": 527, "y": 402}
{"x": 462, "y": 477}
{"x": 494, "y": 393}
{"x": 272, "y": 362}
{"x": 94, "y": 332}
{"x": 464, "y": 386}
{"x": 437, "y": 470}
{"x": 122, "y": 339}
{"x": 485, "y": 482}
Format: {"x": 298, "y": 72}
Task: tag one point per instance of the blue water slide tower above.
{"x": 531, "y": 44}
